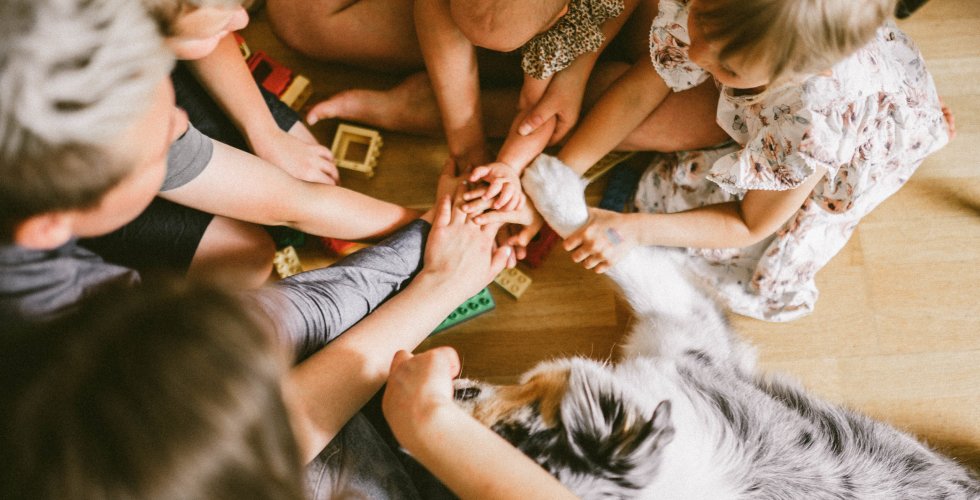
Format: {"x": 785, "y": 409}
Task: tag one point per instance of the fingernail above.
{"x": 524, "y": 130}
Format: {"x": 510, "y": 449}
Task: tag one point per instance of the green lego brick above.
{"x": 286, "y": 236}
{"x": 473, "y": 307}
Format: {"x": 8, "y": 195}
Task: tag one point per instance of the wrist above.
{"x": 423, "y": 420}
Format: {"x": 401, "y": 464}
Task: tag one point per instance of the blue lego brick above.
{"x": 473, "y": 307}
{"x": 623, "y": 180}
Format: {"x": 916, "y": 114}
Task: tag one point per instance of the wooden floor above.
{"x": 896, "y": 332}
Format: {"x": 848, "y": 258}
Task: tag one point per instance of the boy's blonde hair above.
{"x": 793, "y": 36}
{"x": 166, "y": 12}
{"x": 74, "y": 74}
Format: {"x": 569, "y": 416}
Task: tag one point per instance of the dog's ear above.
{"x": 610, "y": 432}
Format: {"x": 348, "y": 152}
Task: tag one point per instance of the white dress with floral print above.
{"x": 870, "y": 123}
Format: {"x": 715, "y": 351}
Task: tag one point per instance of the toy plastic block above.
{"x": 273, "y": 76}
{"x": 297, "y": 93}
{"x": 286, "y": 236}
{"x": 341, "y": 248}
{"x": 356, "y": 148}
{"x": 621, "y": 188}
{"x": 287, "y": 262}
{"x": 540, "y": 247}
{"x": 607, "y": 162}
{"x": 513, "y": 282}
{"x": 473, "y": 307}
{"x": 242, "y": 46}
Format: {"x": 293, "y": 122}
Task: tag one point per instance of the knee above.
{"x": 234, "y": 253}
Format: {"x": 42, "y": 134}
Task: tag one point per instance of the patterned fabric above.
{"x": 870, "y": 123}
{"x": 577, "y": 32}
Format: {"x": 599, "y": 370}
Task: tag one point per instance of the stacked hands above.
{"x": 495, "y": 197}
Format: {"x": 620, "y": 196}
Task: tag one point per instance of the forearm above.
{"x": 629, "y": 101}
{"x": 337, "y": 381}
{"x": 452, "y": 67}
{"x": 225, "y": 75}
{"x": 310, "y": 309}
{"x": 519, "y": 150}
{"x": 713, "y": 226}
{"x": 473, "y": 461}
{"x": 242, "y": 186}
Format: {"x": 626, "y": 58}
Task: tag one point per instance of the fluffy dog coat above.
{"x": 685, "y": 415}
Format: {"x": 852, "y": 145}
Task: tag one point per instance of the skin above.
{"x": 419, "y": 407}
{"x": 132, "y": 194}
{"x": 233, "y": 248}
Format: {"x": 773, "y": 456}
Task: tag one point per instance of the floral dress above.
{"x": 869, "y": 123}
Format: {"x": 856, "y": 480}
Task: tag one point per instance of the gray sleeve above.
{"x": 187, "y": 158}
{"x": 312, "y": 308}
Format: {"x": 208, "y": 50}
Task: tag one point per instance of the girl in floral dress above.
{"x": 831, "y": 110}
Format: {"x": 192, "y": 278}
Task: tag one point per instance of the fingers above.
{"x": 317, "y": 112}
{"x": 476, "y": 194}
{"x": 561, "y": 129}
{"x": 400, "y": 357}
{"x": 443, "y": 212}
{"x": 502, "y": 257}
{"x": 536, "y": 117}
{"x": 478, "y": 173}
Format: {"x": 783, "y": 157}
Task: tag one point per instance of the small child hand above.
{"x": 601, "y": 242}
{"x": 501, "y": 182}
{"x": 299, "y": 154}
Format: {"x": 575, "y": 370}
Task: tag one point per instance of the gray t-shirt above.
{"x": 187, "y": 158}
{"x": 308, "y": 309}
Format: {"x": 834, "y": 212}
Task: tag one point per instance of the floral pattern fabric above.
{"x": 869, "y": 123}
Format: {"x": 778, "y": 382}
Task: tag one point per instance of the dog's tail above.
{"x": 675, "y": 318}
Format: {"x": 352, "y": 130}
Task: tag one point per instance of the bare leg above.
{"x": 684, "y": 121}
{"x": 377, "y": 34}
{"x": 411, "y": 107}
{"x": 234, "y": 254}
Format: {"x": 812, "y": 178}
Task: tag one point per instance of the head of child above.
{"x": 166, "y": 391}
{"x": 753, "y": 44}
{"x": 193, "y": 28}
{"x": 86, "y": 118}
{"x": 505, "y": 25}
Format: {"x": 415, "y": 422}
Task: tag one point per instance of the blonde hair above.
{"x": 793, "y": 36}
{"x": 166, "y": 12}
{"x": 74, "y": 74}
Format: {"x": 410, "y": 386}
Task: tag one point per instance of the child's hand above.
{"x": 501, "y": 182}
{"x": 519, "y": 227}
{"x": 601, "y": 242}
{"x": 299, "y": 154}
{"x": 562, "y": 100}
{"x": 417, "y": 386}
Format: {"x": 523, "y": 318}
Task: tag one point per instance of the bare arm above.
{"x": 451, "y": 62}
{"x": 245, "y": 187}
{"x": 337, "y": 381}
{"x": 469, "y": 458}
{"x": 725, "y": 225}
{"x": 623, "y": 107}
{"x": 227, "y": 78}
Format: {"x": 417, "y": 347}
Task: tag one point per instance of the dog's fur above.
{"x": 685, "y": 415}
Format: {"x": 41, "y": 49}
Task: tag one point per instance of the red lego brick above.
{"x": 541, "y": 246}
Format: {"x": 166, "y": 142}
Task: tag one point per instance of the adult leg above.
{"x": 233, "y": 253}
{"x": 377, "y": 34}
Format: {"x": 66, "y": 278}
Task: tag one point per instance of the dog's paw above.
{"x": 558, "y": 193}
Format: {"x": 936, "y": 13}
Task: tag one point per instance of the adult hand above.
{"x": 460, "y": 252}
{"x": 298, "y": 153}
{"x": 603, "y": 241}
{"x": 417, "y": 387}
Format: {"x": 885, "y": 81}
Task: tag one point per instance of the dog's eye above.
{"x": 466, "y": 393}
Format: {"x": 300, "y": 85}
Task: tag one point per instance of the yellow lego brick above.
{"x": 287, "y": 262}
{"x": 513, "y": 282}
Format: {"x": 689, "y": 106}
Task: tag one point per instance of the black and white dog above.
{"x": 685, "y": 415}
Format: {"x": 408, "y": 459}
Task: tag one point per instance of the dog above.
{"x": 685, "y": 414}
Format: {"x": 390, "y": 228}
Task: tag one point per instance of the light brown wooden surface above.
{"x": 896, "y": 332}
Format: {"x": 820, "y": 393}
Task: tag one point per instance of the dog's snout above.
{"x": 466, "y": 393}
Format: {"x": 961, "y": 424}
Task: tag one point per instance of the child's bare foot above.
{"x": 408, "y": 107}
{"x": 950, "y": 120}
